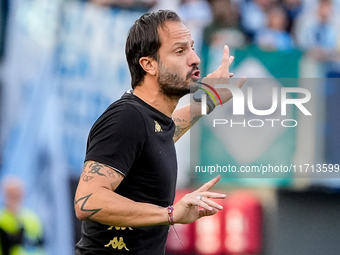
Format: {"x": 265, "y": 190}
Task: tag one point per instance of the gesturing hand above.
{"x": 197, "y": 204}
{"x": 221, "y": 76}
{"x": 223, "y": 70}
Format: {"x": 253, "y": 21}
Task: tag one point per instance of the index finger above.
{"x": 208, "y": 185}
{"x": 225, "y": 60}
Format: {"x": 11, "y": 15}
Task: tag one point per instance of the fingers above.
{"x": 207, "y": 204}
{"x": 225, "y": 60}
{"x": 231, "y": 60}
{"x": 205, "y": 198}
{"x": 207, "y": 186}
{"x": 198, "y": 203}
{"x": 209, "y": 194}
{"x": 212, "y": 204}
{"x": 202, "y": 196}
{"x": 223, "y": 70}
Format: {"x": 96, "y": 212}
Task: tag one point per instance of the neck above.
{"x": 151, "y": 94}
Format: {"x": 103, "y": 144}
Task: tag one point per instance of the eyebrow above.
{"x": 183, "y": 44}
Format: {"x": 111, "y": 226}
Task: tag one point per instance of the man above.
{"x": 128, "y": 182}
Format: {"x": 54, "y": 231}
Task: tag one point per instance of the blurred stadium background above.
{"x": 63, "y": 63}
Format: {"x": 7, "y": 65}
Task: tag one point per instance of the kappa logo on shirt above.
{"x": 158, "y": 127}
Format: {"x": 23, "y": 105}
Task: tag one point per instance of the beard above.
{"x": 172, "y": 85}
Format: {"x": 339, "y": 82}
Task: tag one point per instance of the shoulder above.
{"x": 123, "y": 115}
{"x": 125, "y": 107}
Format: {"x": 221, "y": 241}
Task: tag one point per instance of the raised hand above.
{"x": 223, "y": 70}
{"x": 222, "y": 76}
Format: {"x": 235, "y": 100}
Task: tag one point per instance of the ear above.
{"x": 149, "y": 65}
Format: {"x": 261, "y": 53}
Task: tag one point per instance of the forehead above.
{"x": 174, "y": 31}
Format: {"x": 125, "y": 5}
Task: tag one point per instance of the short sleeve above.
{"x": 117, "y": 138}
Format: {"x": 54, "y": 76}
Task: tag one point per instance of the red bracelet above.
{"x": 171, "y": 215}
{"x": 171, "y": 221}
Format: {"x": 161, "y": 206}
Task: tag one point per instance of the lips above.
{"x": 196, "y": 75}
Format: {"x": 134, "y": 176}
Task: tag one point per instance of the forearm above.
{"x": 185, "y": 118}
{"x": 94, "y": 200}
{"x": 110, "y": 208}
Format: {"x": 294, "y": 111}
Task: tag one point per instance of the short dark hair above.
{"x": 144, "y": 41}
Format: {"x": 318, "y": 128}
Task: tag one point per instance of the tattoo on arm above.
{"x": 87, "y": 178}
{"x": 114, "y": 174}
{"x": 181, "y": 129}
{"x": 95, "y": 168}
{"x": 84, "y": 167}
{"x": 179, "y": 120}
{"x": 111, "y": 173}
{"x": 93, "y": 211}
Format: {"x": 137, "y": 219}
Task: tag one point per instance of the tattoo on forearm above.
{"x": 179, "y": 120}
{"x": 179, "y": 131}
{"x": 95, "y": 168}
{"x": 93, "y": 211}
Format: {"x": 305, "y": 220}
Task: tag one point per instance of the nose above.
{"x": 194, "y": 59}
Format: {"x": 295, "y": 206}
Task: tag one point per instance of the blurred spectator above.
{"x": 309, "y": 5}
{"x": 253, "y": 15}
{"x": 293, "y": 9}
{"x": 275, "y": 37}
{"x": 196, "y": 15}
{"x": 317, "y": 31}
{"x": 225, "y": 27}
{"x": 21, "y": 230}
{"x": 127, "y": 4}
